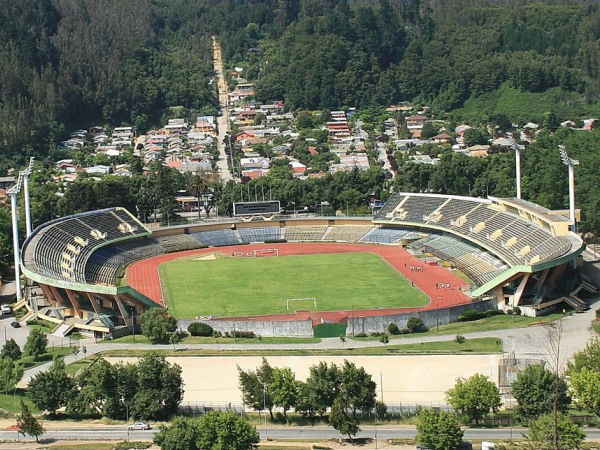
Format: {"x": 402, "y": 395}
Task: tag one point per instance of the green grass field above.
{"x": 229, "y": 286}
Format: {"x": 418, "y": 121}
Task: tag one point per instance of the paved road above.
{"x": 223, "y": 119}
{"x": 283, "y": 433}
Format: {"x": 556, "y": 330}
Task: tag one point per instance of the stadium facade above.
{"x": 513, "y": 251}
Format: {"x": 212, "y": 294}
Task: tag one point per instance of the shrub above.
{"x": 404, "y": 331}
{"x": 377, "y": 333}
{"x": 415, "y": 324}
{"x": 243, "y": 334}
{"x": 200, "y": 329}
{"x": 393, "y": 328}
{"x": 493, "y": 312}
{"x": 470, "y": 314}
{"x": 361, "y": 335}
{"x": 517, "y": 311}
{"x": 460, "y": 339}
{"x": 598, "y": 312}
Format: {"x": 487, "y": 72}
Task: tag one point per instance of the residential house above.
{"x": 415, "y": 121}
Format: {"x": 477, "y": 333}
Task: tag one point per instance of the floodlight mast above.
{"x": 517, "y": 148}
{"x": 570, "y": 163}
{"x": 26, "y": 173}
{"x": 13, "y": 192}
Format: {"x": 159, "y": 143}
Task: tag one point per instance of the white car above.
{"x": 5, "y": 309}
{"x": 139, "y": 426}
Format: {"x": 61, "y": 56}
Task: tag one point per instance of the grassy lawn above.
{"x": 222, "y": 340}
{"x": 480, "y": 345}
{"x": 11, "y": 401}
{"x": 227, "y": 286}
{"x": 28, "y": 361}
{"x": 493, "y": 323}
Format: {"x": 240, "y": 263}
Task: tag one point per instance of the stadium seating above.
{"x": 177, "y": 242}
{"x": 388, "y": 235}
{"x": 216, "y": 238}
{"x": 347, "y": 233}
{"x": 259, "y": 234}
{"x": 305, "y": 233}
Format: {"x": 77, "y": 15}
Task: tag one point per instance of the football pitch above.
{"x": 221, "y": 285}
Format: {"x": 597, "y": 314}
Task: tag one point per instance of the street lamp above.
{"x": 517, "y": 148}
{"x": 437, "y": 314}
{"x": 133, "y": 322}
{"x": 294, "y": 203}
{"x": 265, "y": 408}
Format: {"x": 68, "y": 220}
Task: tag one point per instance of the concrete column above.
{"x": 28, "y": 227}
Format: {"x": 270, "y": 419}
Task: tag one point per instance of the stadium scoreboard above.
{"x": 256, "y": 208}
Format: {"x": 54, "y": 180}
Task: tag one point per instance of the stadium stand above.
{"x": 305, "y": 233}
{"x": 177, "y": 242}
{"x": 216, "y": 238}
{"x": 388, "y": 235}
{"x": 260, "y": 234}
{"x": 348, "y": 233}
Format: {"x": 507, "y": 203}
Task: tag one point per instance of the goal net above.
{"x": 300, "y": 304}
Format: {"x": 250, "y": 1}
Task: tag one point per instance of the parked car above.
{"x": 139, "y": 426}
{"x": 5, "y": 309}
{"x": 14, "y": 426}
{"x": 15, "y": 324}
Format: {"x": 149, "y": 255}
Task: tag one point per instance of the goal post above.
{"x": 301, "y": 303}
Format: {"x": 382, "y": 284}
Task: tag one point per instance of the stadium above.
{"x": 95, "y": 272}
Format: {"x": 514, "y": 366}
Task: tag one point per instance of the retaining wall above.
{"x": 431, "y": 318}
{"x": 295, "y": 328}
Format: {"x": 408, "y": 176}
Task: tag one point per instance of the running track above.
{"x": 143, "y": 276}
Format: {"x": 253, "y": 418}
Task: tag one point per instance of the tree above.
{"x": 429, "y": 130}
{"x": 322, "y": 387}
{"x": 11, "y": 350}
{"x": 538, "y": 391}
{"x": 51, "y": 390}
{"x": 157, "y": 324}
{"x": 226, "y": 431}
{"x": 555, "y": 431}
{"x": 384, "y": 339}
{"x": 474, "y": 136}
{"x": 182, "y": 434}
{"x": 588, "y": 357}
{"x": 254, "y": 386}
{"x": 474, "y": 397}
{"x": 284, "y": 389}
{"x": 438, "y": 430}
{"x": 341, "y": 420}
{"x": 158, "y": 388}
{"x": 357, "y": 388}
{"x": 29, "y": 424}
{"x": 36, "y": 343}
{"x": 585, "y": 384}
{"x": 95, "y": 391}
{"x": 11, "y": 373}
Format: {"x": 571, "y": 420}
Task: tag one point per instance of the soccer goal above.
{"x": 300, "y": 304}
{"x": 266, "y": 252}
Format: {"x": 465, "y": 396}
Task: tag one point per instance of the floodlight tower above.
{"x": 517, "y": 148}
{"x": 570, "y": 163}
{"x": 13, "y": 192}
{"x": 26, "y": 174}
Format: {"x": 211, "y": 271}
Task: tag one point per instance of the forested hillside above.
{"x": 70, "y": 63}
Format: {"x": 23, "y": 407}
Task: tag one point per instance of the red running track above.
{"x": 144, "y": 277}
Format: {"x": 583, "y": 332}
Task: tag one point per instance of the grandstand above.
{"x": 514, "y": 251}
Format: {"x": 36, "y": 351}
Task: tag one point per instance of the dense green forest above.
{"x": 72, "y": 63}
{"x": 66, "y": 64}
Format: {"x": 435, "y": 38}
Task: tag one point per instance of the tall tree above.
{"x": 11, "y": 373}
{"x": 357, "y": 388}
{"x": 157, "y": 324}
{"x": 284, "y": 389}
{"x": 555, "y": 431}
{"x": 438, "y": 430}
{"x": 539, "y": 391}
{"x": 36, "y": 343}
{"x": 474, "y": 397}
{"x": 29, "y": 424}
{"x": 11, "y": 350}
{"x": 51, "y": 390}
{"x": 226, "y": 431}
{"x": 341, "y": 420}
{"x": 181, "y": 434}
